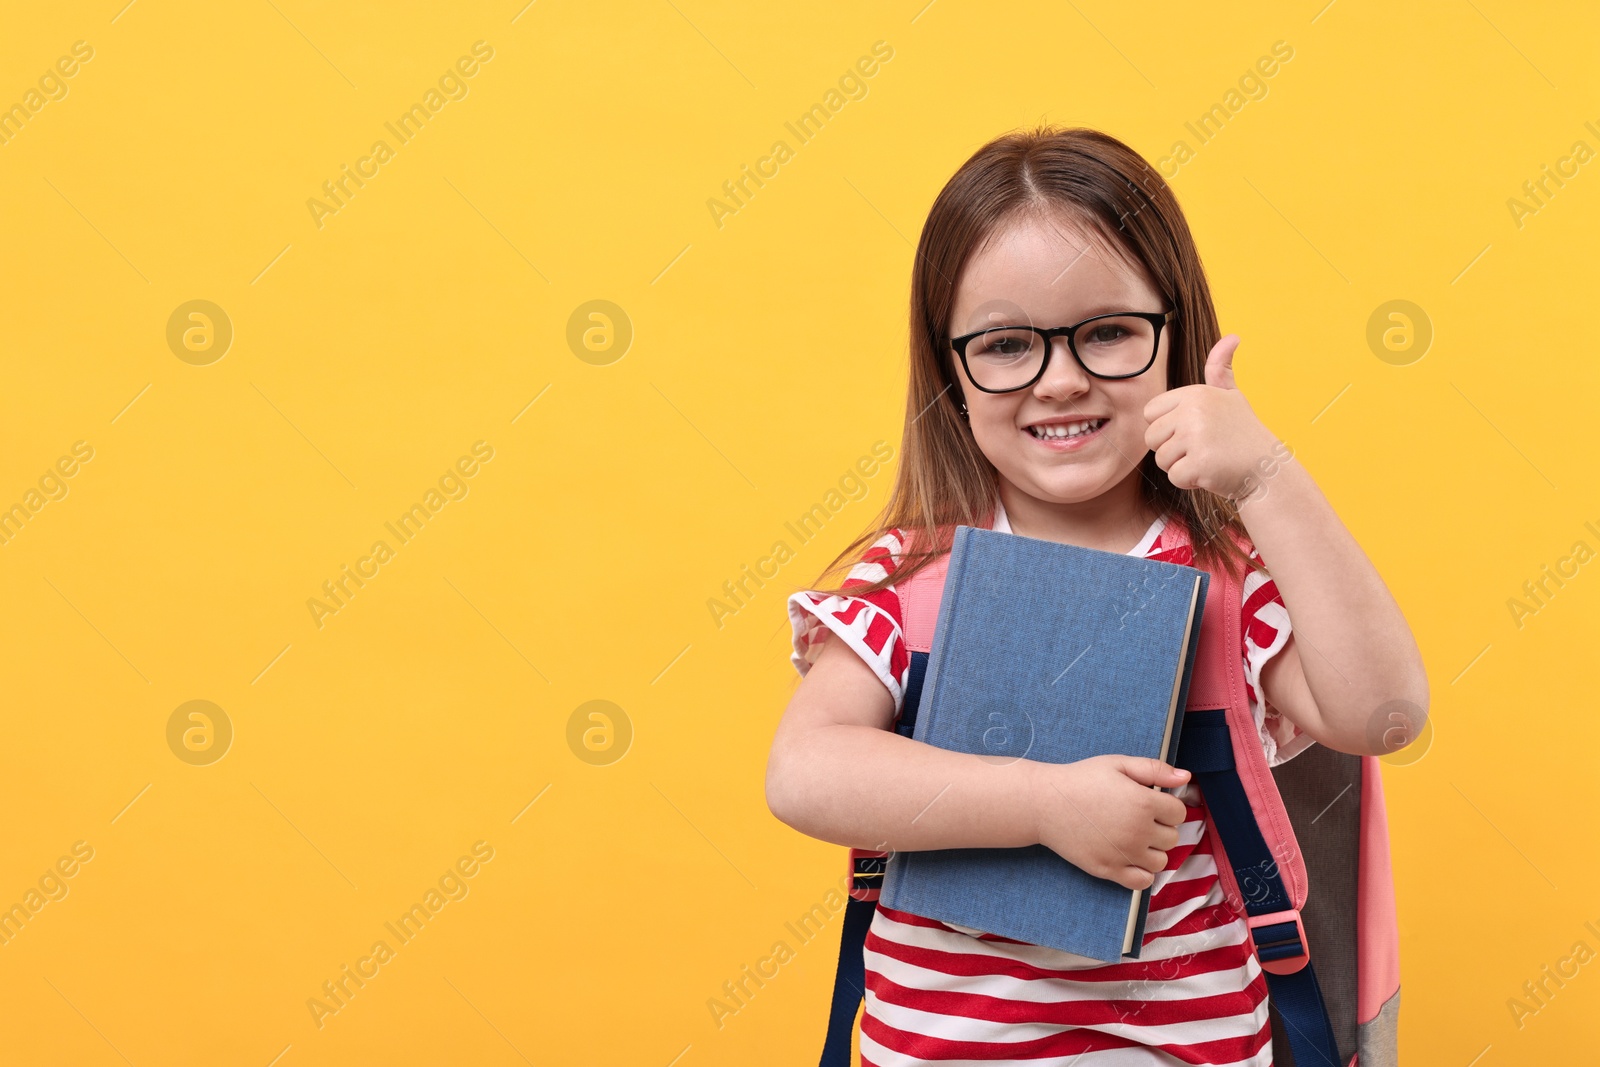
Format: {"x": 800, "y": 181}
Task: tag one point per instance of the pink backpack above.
{"x": 1273, "y": 831}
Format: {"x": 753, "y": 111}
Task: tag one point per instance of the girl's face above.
{"x": 1035, "y": 273}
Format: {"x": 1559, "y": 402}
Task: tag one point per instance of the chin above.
{"x": 1065, "y": 490}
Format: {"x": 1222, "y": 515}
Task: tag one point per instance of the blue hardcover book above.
{"x": 1049, "y": 652}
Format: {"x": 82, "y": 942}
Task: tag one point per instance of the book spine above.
{"x": 1190, "y": 655}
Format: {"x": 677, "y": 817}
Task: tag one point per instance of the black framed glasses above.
{"x": 1002, "y": 359}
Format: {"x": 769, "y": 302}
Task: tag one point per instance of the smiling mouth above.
{"x": 1066, "y": 430}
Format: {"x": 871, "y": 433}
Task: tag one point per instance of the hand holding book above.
{"x": 1102, "y": 815}
{"x": 1077, "y": 659}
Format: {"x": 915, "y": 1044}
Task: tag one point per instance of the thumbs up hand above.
{"x": 1208, "y": 437}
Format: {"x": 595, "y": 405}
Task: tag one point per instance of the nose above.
{"x": 1063, "y": 378}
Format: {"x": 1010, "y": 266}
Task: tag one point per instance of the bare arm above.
{"x": 1354, "y": 669}
{"x": 837, "y": 772}
{"x": 1353, "y": 665}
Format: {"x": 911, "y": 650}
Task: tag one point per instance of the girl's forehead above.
{"x": 1024, "y": 244}
{"x": 1049, "y": 268}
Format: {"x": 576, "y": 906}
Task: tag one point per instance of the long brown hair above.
{"x": 944, "y": 479}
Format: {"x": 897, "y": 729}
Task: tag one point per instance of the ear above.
{"x": 1219, "y": 362}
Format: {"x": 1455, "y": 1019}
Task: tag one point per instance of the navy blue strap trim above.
{"x": 908, "y": 707}
{"x": 1205, "y": 748}
{"x": 1298, "y": 998}
{"x": 1204, "y": 745}
{"x": 849, "y": 983}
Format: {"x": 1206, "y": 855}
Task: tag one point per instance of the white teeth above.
{"x": 1068, "y": 429}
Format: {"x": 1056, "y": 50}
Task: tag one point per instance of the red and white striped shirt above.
{"x": 939, "y": 993}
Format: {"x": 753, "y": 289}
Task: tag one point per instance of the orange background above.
{"x": 641, "y": 459}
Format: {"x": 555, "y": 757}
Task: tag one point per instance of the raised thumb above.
{"x": 1219, "y": 362}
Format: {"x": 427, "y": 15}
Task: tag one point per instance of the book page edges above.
{"x": 1166, "y": 740}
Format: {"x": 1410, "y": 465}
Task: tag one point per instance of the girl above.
{"x": 1119, "y": 418}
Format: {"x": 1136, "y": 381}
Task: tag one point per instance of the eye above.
{"x": 1105, "y": 333}
{"x": 1000, "y": 345}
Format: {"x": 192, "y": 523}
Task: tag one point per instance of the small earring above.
{"x": 963, "y": 409}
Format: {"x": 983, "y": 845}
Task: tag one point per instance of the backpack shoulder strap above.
{"x": 1218, "y": 684}
{"x": 1258, "y": 857}
{"x": 920, "y": 595}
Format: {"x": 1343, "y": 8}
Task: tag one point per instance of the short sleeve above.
{"x": 1265, "y": 622}
{"x": 870, "y": 624}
